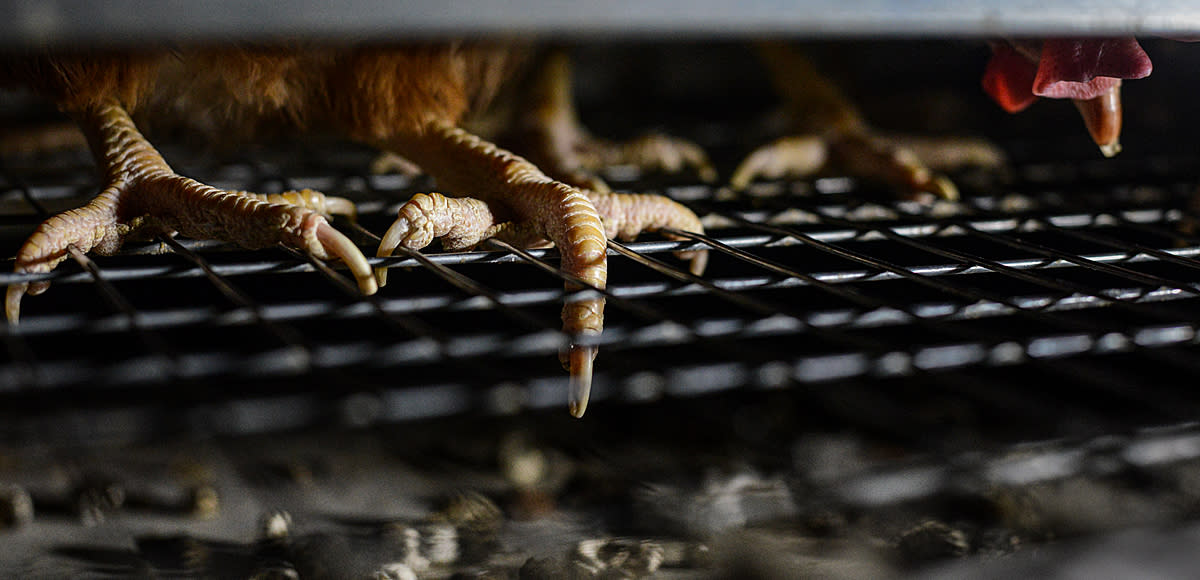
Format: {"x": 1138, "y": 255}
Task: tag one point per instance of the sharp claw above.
{"x": 699, "y": 261}
{"x": 337, "y": 244}
{"x": 1110, "y": 149}
{"x": 387, "y": 246}
{"x": 1102, "y": 116}
{"x": 12, "y": 301}
{"x": 744, "y": 174}
{"x": 942, "y": 187}
{"x": 579, "y": 386}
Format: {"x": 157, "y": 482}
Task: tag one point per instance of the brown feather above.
{"x": 365, "y": 92}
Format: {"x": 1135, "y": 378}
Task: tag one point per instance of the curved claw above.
{"x": 697, "y": 261}
{"x": 942, "y": 187}
{"x": 790, "y": 156}
{"x": 579, "y": 386}
{"x": 337, "y": 244}
{"x": 1102, "y": 116}
{"x": 16, "y": 291}
{"x": 397, "y": 233}
{"x": 12, "y": 301}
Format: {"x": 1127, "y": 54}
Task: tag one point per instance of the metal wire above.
{"x": 759, "y": 319}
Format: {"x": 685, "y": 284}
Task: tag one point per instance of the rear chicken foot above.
{"x": 859, "y": 154}
{"x": 837, "y": 135}
{"x": 549, "y": 133}
{"x": 143, "y": 196}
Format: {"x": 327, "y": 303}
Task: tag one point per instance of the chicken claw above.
{"x": 144, "y": 196}
{"x": 549, "y": 133}
{"x": 1102, "y": 117}
{"x": 514, "y": 198}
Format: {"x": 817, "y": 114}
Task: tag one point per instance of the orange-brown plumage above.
{"x": 364, "y": 92}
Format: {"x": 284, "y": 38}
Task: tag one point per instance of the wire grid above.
{"x": 1079, "y": 273}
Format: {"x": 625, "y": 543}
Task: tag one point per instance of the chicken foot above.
{"x": 517, "y": 203}
{"x": 144, "y": 196}
{"x": 514, "y": 198}
{"x": 549, "y": 133}
{"x": 840, "y": 136}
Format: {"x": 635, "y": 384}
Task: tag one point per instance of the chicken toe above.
{"x": 794, "y": 157}
{"x": 459, "y": 222}
{"x": 626, "y": 215}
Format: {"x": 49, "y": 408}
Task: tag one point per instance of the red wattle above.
{"x": 1008, "y": 78}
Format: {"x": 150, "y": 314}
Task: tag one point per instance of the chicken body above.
{"x": 405, "y": 99}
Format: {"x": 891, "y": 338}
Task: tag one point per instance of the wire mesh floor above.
{"x": 1079, "y": 273}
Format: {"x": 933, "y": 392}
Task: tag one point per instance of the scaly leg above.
{"x": 144, "y": 196}
{"x": 839, "y": 136}
{"x": 548, "y": 132}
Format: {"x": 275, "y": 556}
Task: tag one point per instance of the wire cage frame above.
{"x": 1068, "y": 267}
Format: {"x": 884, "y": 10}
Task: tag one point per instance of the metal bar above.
{"x": 1000, "y": 268}
{"x": 719, "y": 345}
{"x": 467, "y": 285}
{"x": 407, "y": 324}
{"x": 260, "y": 264}
{"x": 165, "y": 361}
{"x": 1132, "y": 303}
{"x": 77, "y": 21}
{"x": 286, "y": 334}
{"x": 970, "y": 332}
{"x": 746, "y": 302}
{"x": 813, "y": 368}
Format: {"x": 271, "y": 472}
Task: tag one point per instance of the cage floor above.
{"x": 1079, "y": 274}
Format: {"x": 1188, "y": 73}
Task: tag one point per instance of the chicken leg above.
{"x": 144, "y": 196}
{"x": 547, "y": 130}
